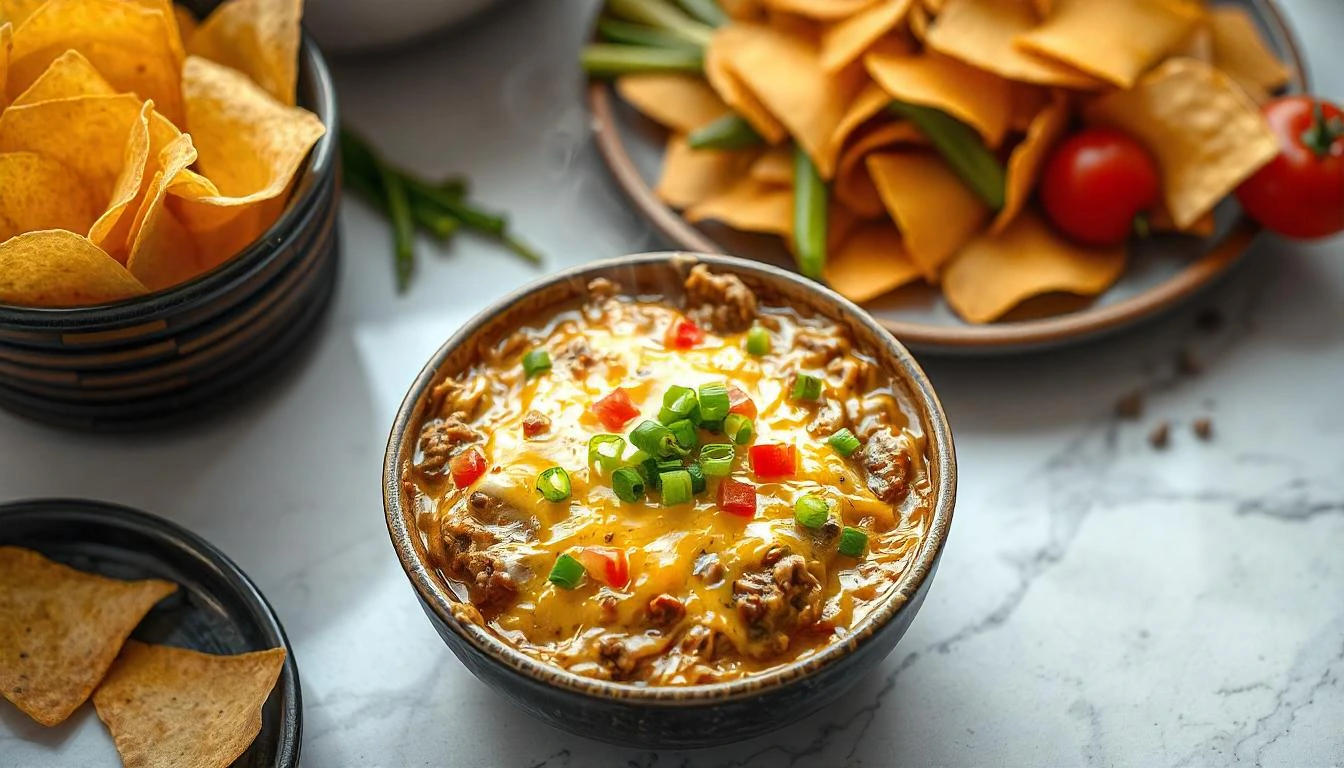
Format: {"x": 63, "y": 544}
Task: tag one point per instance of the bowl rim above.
{"x": 235, "y": 270}
{"x": 923, "y": 398}
{"x": 967, "y": 338}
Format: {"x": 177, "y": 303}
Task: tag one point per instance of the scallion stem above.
{"x": 607, "y": 60}
{"x": 663, "y": 15}
{"x": 732, "y": 131}
{"x": 809, "y": 215}
{"x": 961, "y": 147}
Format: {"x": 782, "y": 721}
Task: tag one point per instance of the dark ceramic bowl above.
{"x": 668, "y": 717}
{"x": 153, "y": 360}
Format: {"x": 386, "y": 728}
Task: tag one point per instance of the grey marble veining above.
{"x": 1101, "y": 602}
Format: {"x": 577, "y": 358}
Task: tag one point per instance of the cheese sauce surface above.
{"x": 711, "y": 595}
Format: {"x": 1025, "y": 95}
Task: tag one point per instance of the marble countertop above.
{"x": 1100, "y": 602}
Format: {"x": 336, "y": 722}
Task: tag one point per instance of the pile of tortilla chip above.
{"x": 64, "y": 636}
{"x": 1182, "y": 77}
{"x": 138, "y": 147}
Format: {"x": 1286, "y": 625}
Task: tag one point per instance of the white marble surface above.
{"x": 1099, "y": 603}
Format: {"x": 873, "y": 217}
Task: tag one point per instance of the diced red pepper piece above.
{"x": 467, "y": 467}
{"x": 737, "y": 498}
{"x": 683, "y": 334}
{"x": 606, "y": 564}
{"x": 740, "y": 402}
{"x": 773, "y": 460}
{"x": 615, "y": 410}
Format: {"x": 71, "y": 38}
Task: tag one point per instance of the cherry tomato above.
{"x": 1095, "y": 184}
{"x": 737, "y": 498}
{"x": 1300, "y": 193}
{"x": 773, "y": 460}
{"x": 606, "y": 564}
{"x": 467, "y": 467}
{"x": 683, "y": 334}
{"x": 615, "y": 410}
{"x": 741, "y": 402}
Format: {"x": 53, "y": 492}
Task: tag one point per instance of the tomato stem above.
{"x": 1322, "y": 133}
{"x": 1142, "y": 226}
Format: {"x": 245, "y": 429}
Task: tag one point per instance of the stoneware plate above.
{"x": 1162, "y": 272}
{"x": 217, "y": 609}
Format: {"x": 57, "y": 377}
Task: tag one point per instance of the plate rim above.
{"x": 989, "y": 338}
{"x": 119, "y": 515}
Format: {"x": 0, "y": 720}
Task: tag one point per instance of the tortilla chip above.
{"x": 917, "y": 21}
{"x": 1205, "y": 134}
{"x": 162, "y": 253}
{"x": 173, "y": 708}
{"x": 978, "y": 98}
{"x": 936, "y": 212}
{"x": 187, "y": 23}
{"x": 774, "y": 166}
{"x": 981, "y": 33}
{"x": 6, "y": 43}
{"x": 853, "y": 186}
{"x": 870, "y": 262}
{"x": 68, "y": 76}
{"x": 37, "y": 192}
{"x": 785, "y": 74}
{"x": 61, "y": 628}
{"x": 867, "y": 104}
{"x": 1043, "y": 8}
{"x": 15, "y": 12}
{"x": 1028, "y": 157}
{"x": 1159, "y": 220}
{"x": 749, "y": 206}
{"x": 148, "y": 137}
{"x": 934, "y": 7}
{"x": 135, "y": 47}
{"x": 679, "y": 102}
{"x": 692, "y": 176}
{"x": 742, "y": 10}
{"x": 1028, "y": 101}
{"x": 845, "y": 41}
{"x": 1115, "y": 40}
{"x": 1197, "y": 43}
{"x": 820, "y": 10}
{"x": 1240, "y": 51}
{"x": 996, "y": 272}
{"x": 87, "y": 133}
{"x": 728, "y": 84}
{"x": 259, "y": 38}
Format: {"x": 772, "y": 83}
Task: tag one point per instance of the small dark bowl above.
{"x": 665, "y": 716}
{"x": 153, "y": 360}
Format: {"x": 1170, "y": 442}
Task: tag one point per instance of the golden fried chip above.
{"x": 936, "y": 212}
{"x": 917, "y": 21}
{"x": 1115, "y": 40}
{"x": 1240, "y": 51}
{"x": 679, "y": 102}
{"x": 996, "y": 272}
{"x": 61, "y": 628}
{"x": 187, "y": 23}
{"x": 162, "y": 253}
{"x": 870, "y": 262}
{"x": 728, "y": 84}
{"x": 852, "y": 185}
{"x": 15, "y": 12}
{"x": 1028, "y": 101}
{"x": 87, "y": 133}
{"x": 865, "y": 106}
{"x": 148, "y": 137}
{"x": 6, "y": 43}
{"x": 845, "y": 41}
{"x": 37, "y": 192}
{"x": 134, "y": 46}
{"x": 173, "y": 708}
{"x": 981, "y": 33}
{"x": 774, "y": 166}
{"x": 68, "y": 76}
{"x": 1197, "y": 43}
{"x": 784, "y": 72}
{"x": 1159, "y": 220}
{"x": 978, "y": 98}
{"x": 821, "y": 10}
{"x": 749, "y": 206}
{"x": 1027, "y": 158}
{"x": 691, "y": 176}
{"x": 259, "y": 38}
{"x": 1205, "y": 133}
{"x": 55, "y": 268}
{"x": 742, "y": 10}
{"x": 934, "y": 7}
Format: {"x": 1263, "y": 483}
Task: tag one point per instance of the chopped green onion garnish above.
{"x": 536, "y": 361}
{"x": 714, "y": 403}
{"x": 684, "y": 431}
{"x": 567, "y": 573}
{"x": 717, "y": 459}
{"x": 738, "y": 428}
{"x": 656, "y": 440}
{"x": 677, "y": 487}
{"x": 605, "y": 452}
{"x": 697, "y": 477}
{"x": 853, "y": 542}
{"x": 811, "y": 511}
{"x": 806, "y": 387}
{"x": 712, "y": 426}
{"x": 758, "y": 341}
{"x": 678, "y": 403}
{"x": 627, "y": 484}
{"x": 844, "y": 442}
{"x": 553, "y": 484}
{"x": 648, "y": 469}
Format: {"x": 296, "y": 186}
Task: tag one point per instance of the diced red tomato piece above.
{"x": 740, "y": 402}
{"x": 737, "y": 498}
{"x": 683, "y": 334}
{"x": 606, "y": 564}
{"x": 615, "y": 410}
{"x": 467, "y": 467}
{"x": 774, "y": 460}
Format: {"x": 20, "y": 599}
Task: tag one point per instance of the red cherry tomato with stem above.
{"x": 1097, "y": 183}
{"x": 1300, "y": 193}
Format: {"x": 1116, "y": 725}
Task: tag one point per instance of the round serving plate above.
{"x": 1163, "y": 271}
{"x": 217, "y": 609}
